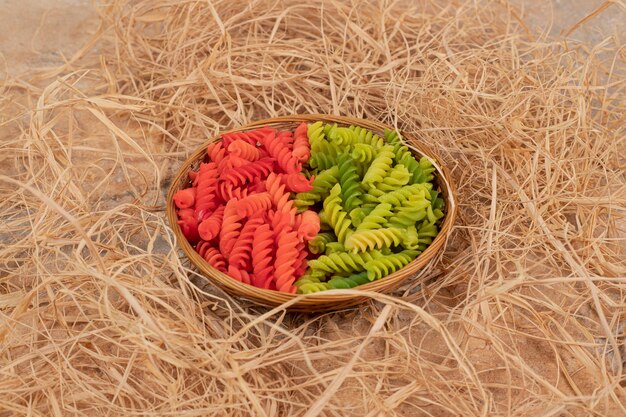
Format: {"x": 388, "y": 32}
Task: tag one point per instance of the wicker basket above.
{"x": 326, "y": 300}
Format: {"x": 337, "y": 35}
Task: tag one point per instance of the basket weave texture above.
{"x": 325, "y": 300}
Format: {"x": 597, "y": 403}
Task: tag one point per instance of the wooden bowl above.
{"x": 325, "y": 300}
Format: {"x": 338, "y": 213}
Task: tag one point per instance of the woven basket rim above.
{"x": 325, "y": 300}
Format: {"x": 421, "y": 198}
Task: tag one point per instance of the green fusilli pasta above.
{"x": 322, "y": 183}
{"x": 364, "y": 240}
{"x": 395, "y": 179}
{"x": 337, "y": 282}
{"x": 318, "y": 243}
{"x": 399, "y": 196}
{"x": 414, "y": 209}
{"x": 368, "y": 137}
{"x": 364, "y": 153}
{"x": 334, "y": 247}
{"x": 336, "y": 217}
{"x": 380, "y": 166}
{"x": 349, "y": 180}
{"x": 342, "y": 262}
{"x": 376, "y": 218}
{"x": 376, "y": 205}
{"x": 385, "y": 265}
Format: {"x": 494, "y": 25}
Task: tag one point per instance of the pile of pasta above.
{"x": 323, "y": 207}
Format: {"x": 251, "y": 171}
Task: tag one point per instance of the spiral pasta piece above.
{"x": 349, "y": 181}
{"x": 368, "y": 137}
{"x": 358, "y": 214}
{"x": 252, "y": 136}
{"x": 216, "y": 152}
{"x": 315, "y": 133}
{"x": 337, "y": 217}
{"x": 239, "y": 274}
{"x": 364, "y": 240}
{"x": 206, "y": 190}
{"x": 244, "y": 150}
{"x": 379, "y": 167}
{"x": 411, "y": 238}
{"x": 226, "y": 191}
{"x": 364, "y": 153}
{"x": 280, "y": 198}
{"x": 262, "y": 254}
{"x": 399, "y": 196}
{"x": 185, "y": 198}
{"x": 322, "y": 184}
{"x": 312, "y": 275}
{"x": 395, "y": 179}
{"x": 248, "y": 172}
{"x": 279, "y": 220}
{"x": 309, "y": 278}
{"x": 404, "y": 156}
{"x": 301, "y": 147}
{"x": 334, "y": 247}
{"x": 193, "y": 177}
{"x": 323, "y": 160}
{"x": 281, "y": 153}
{"x": 338, "y": 282}
{"x": 310, "y": 225}
{"x": 210, "y": 227}
{"x": 286, "y": 258}
{"x": 231, "y": 161}
{"x": 211, "y": 255}
{"x": 414, "y": 209}
{"x": 254, "y": 203}
{"x": 312, "y": 287}
{"x": 323, "y": 153}
{"x": 427, "y": 170}
{"x": 339, "y": 262}
{"x": 426, "y": 234}
{"x": 296, "y": 182}
{"x": 342, "y": 136}
{"x": 188, "y": 224}
{"x": 319, "y": 242}
{"x": 376, "y": 218}
{"x": 241, "y": 253}
{"x": 385, "y": 265}
{"x": 286, "y": 139}
{"x": 301, "y": 263}
{"x": 231, "y": 227}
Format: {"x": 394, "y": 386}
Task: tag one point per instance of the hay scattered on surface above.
{"x": 523, "y": 317}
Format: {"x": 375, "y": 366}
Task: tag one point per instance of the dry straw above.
{"x": 523, "y": 316}
{"x": 327, "y": 300}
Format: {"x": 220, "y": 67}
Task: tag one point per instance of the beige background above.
{"x": 36, "y": 33}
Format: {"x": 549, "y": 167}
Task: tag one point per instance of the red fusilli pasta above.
{"x": 248, "y": 172}
{"x": 242, "y": 250}
{"x": 286, "y": 259}
{"x": 301, "y": 146}
{"x": 252, "y": 137}
{"x": 263, "y": 256}
{"x": 227, "y": 191}
{"x": 245, "y": 150}
{"x": 309, "y": 225}
{"x": 206, "y": 190}
{"x": 216, "y": 152}
{"x": 278, "y": 150}
{"x": 210, "y": 227}
{"x": 254, "y": 203}
{"x": 188, "y": 224}
{"x": 185, "y": 198}
{"x": 212, "y": 255}
{"x": 296, "y": 182}
{"x": 231, "y": 226}
{"x": 239, "y": 274}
